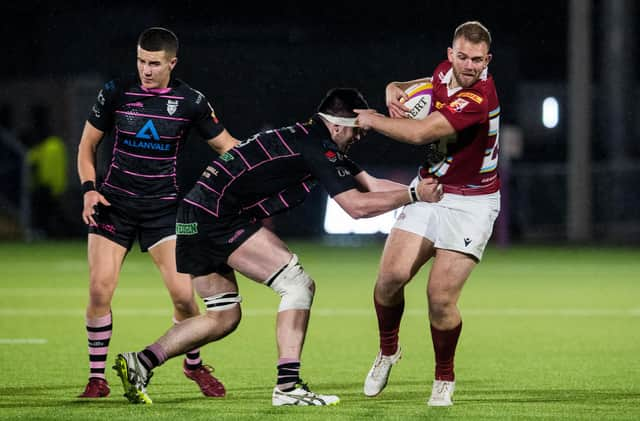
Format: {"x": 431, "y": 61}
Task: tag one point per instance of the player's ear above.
{"x": 450, "y": 54}
{"x": 173, "y": 62}
{"x": 489, "y": 57}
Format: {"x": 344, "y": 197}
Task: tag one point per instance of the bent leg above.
{"x": 404, "y": 254}
{"x": 211, "y": 326}
{"x": 251, "y": 260}
{"x": 279, "y": 269}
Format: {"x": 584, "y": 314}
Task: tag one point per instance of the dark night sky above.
{"x": 41, "y": 32}
{"x": 272, "y": 62}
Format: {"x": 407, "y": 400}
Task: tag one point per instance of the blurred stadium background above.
{"x": 566, "y": 73}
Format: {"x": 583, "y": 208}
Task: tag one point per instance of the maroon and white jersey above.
{"x": 467, "y": 162}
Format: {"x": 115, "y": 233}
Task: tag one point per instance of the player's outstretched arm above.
{"x": 406, "y": 130}
{"x": 368, "y": 204}
{"x": 367, "y": 182}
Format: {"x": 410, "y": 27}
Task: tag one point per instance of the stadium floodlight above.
{"x": 550, "y": 113}
{"x": 337, "y": 221}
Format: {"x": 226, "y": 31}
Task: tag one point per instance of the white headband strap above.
{"x": 340, "y": 121}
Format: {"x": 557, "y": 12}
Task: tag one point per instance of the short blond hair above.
{"x": 474, "y": 32}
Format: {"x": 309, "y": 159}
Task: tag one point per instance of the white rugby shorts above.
{"x": 460, "y": 223}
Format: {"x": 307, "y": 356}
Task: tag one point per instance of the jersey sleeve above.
{"x": 465, "y": 108}
{"x": 205, "y": 120}
{"x": 331, "y": 168}
{"x": 102, "y": 114}
{"x": 353, "y": 167}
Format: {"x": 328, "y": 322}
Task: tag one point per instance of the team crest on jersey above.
{"x": 172, "y": 106}
{"x": 331, "y": 156}
{"x": 458, "y": 105}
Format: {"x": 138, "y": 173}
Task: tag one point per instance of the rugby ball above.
{"x": 419, "y": 102}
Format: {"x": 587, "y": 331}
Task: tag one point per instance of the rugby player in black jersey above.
{"x": 219, "y": 231}
{"x": 149, "y": 116}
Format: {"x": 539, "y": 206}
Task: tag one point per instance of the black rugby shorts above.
{"x": 205, "y": 241}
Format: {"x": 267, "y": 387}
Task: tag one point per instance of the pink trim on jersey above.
{"x": 283, "y": 141}
{"x": 147, "y": 175}
{"x": 198, "y": 205}
{"x": 134, "y": 133}
{"x": 263, "y": 209}
{"x": 282, "y": 200}
{"x": 263, "y": 148}
{"x": 242, "y": 172}
{"x": 175, "y": 167}
{"x": 156, "y": 90}
{"x": 152, "y": 116}
{"x": 158, "y": 96}
{"x": 118, "y": 188}
{"x": 207, "y": 187}
{"x": 217, "y": 211}
{"x": 159, "y": 91}
{"x": 224, "y": 169}
{"x": 144, "y": 156}
{"x": 112, "y": 163}
{"x": 302, "y": 127}
{"x": 305, "y": 187}
{"x": 243, "y": 159}
{"x": 258, "y": 203}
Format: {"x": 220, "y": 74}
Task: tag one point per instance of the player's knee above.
{"x": 440, "y": 305}
{"x": 294, "y": 285}
{"x": 101, "y": 289}
{"x": 224, "y": 308}
{"x": 392, "y": 280}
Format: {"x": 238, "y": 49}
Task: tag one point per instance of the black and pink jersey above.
{"x": 468, "y": 161}
{"x": 149, "y": 129}
{"x": 273, "y": 171}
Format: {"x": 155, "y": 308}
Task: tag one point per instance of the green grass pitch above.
{"x": 549, "y": 333}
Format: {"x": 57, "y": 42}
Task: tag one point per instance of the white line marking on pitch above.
{"x": 22, "y": 341}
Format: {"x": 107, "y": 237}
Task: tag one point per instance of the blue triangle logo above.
{"x": 148, "y": 131}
